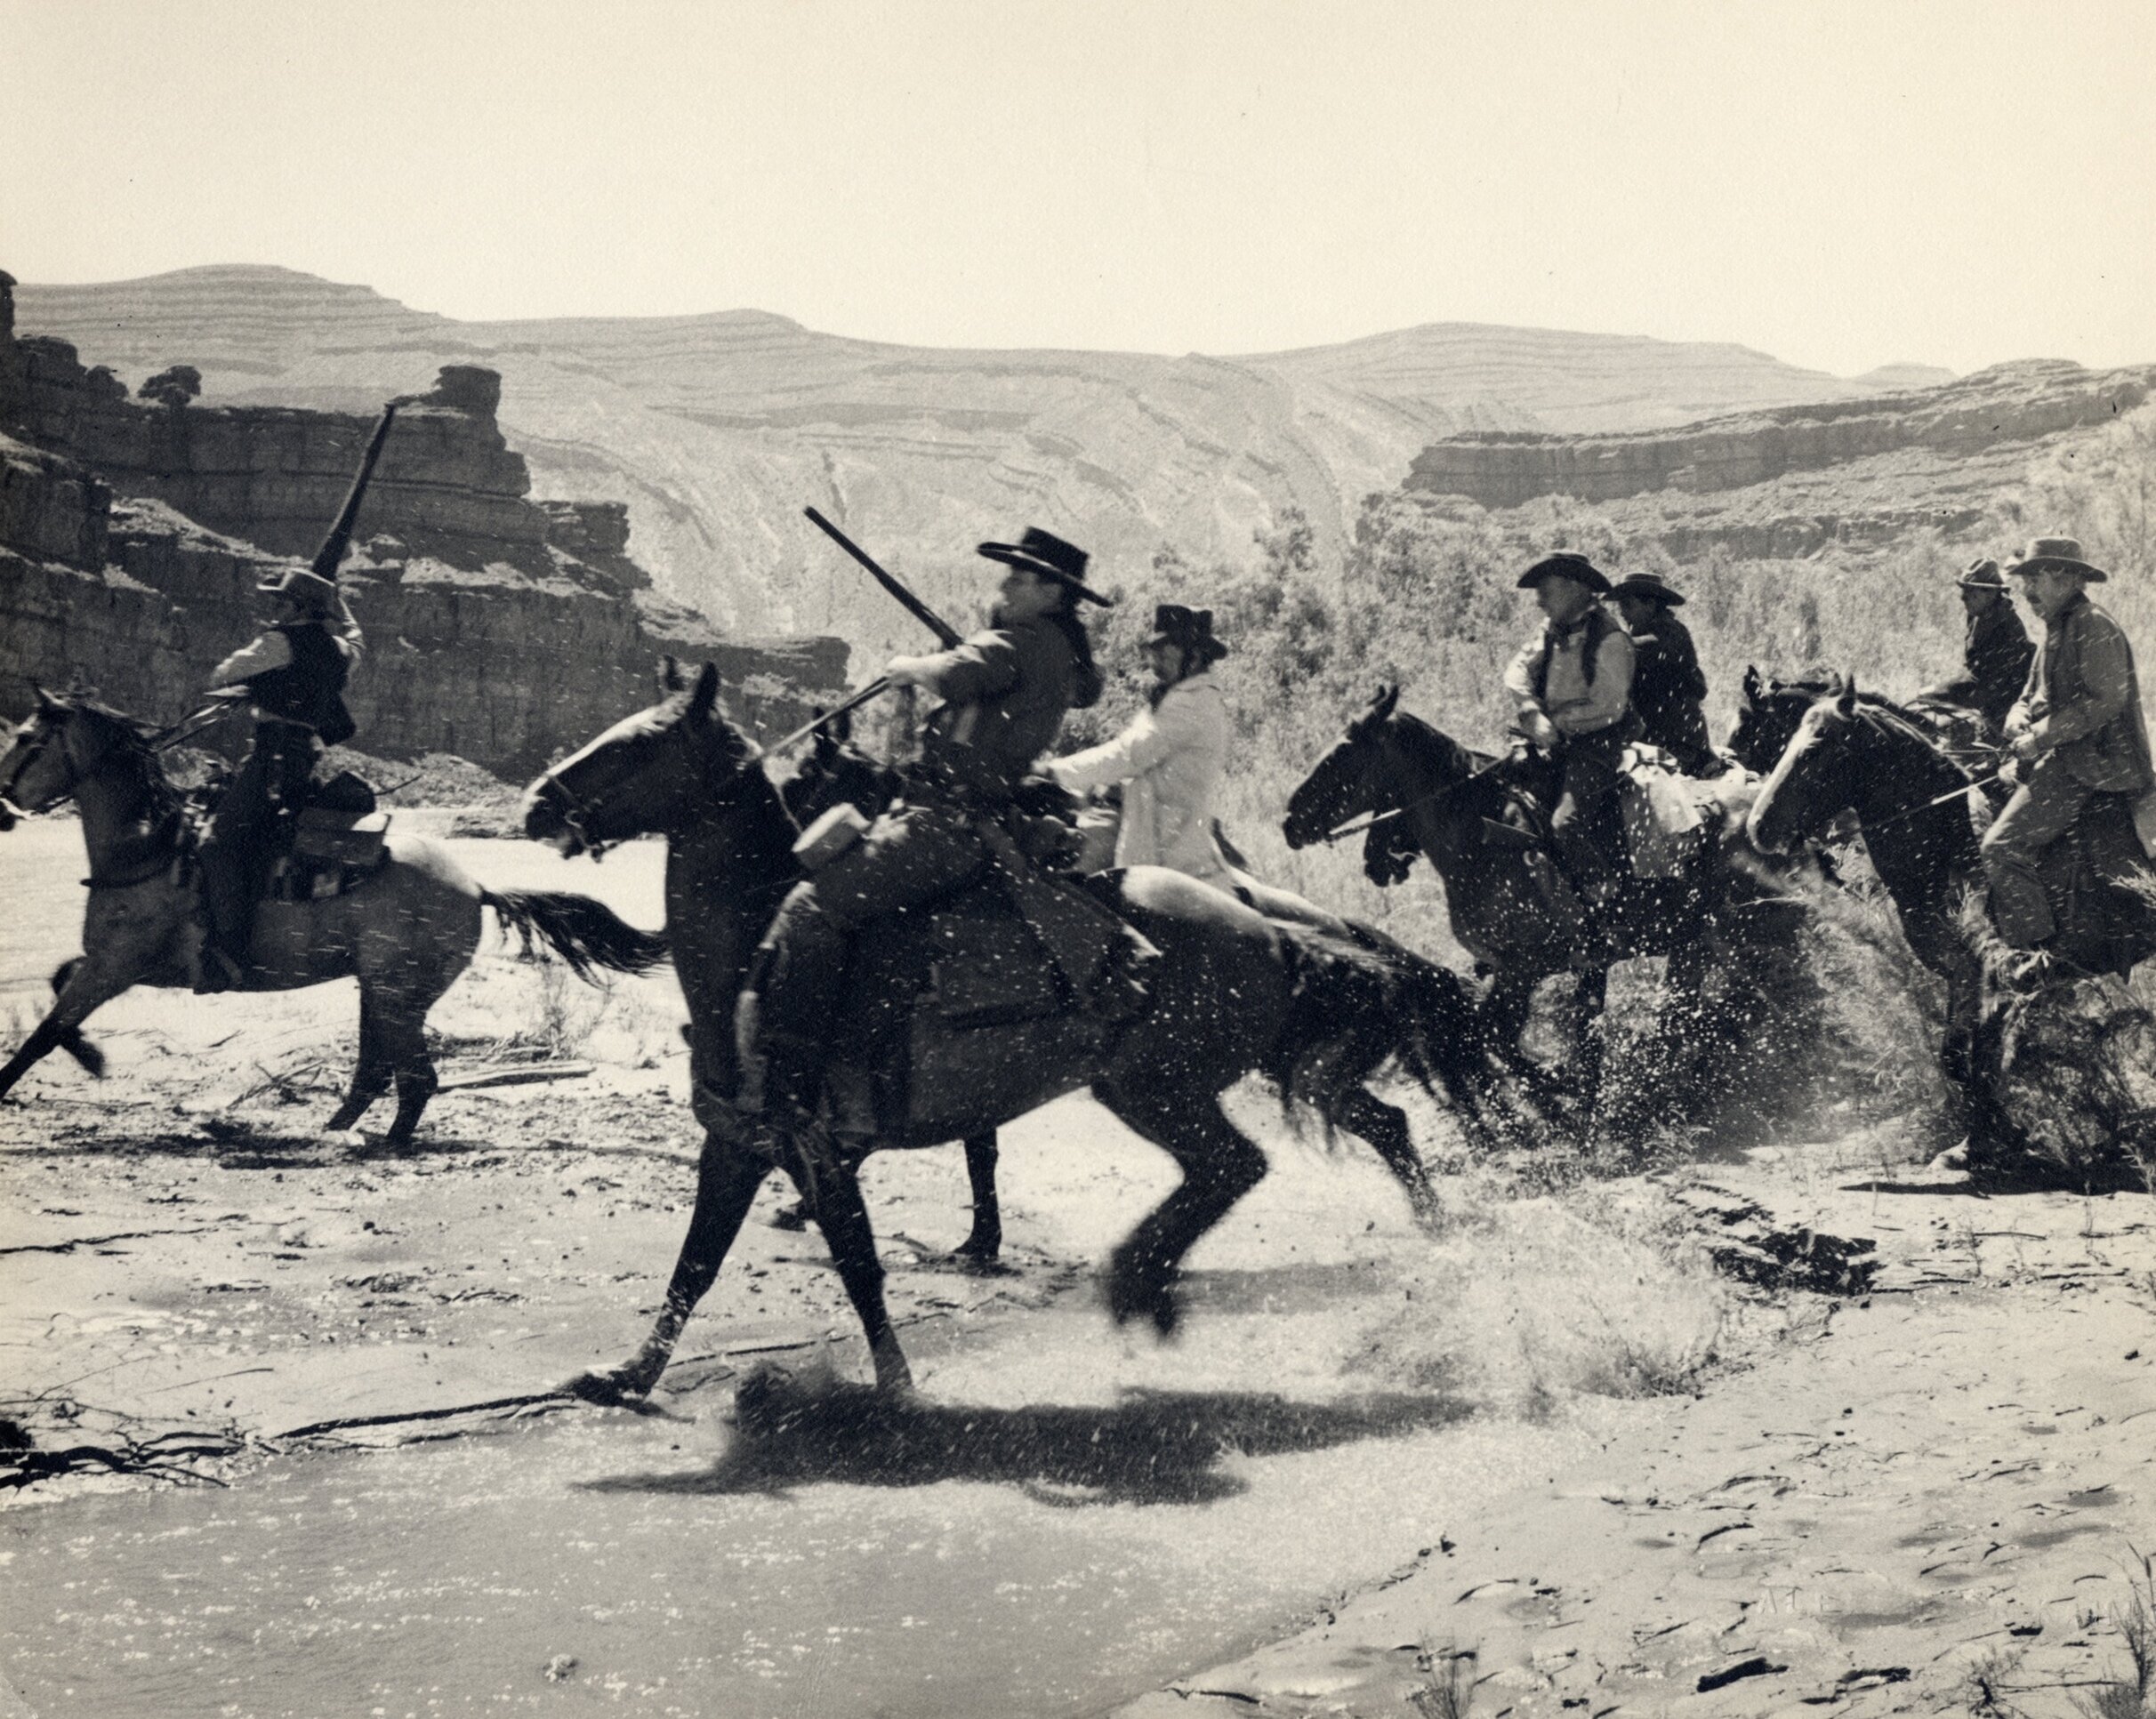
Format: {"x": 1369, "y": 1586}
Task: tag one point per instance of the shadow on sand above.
{"x": 1153, "y": 1447}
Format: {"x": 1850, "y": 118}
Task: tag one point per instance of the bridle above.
{"x": 1371, "y": 822}
{"x": 581, "y": 810}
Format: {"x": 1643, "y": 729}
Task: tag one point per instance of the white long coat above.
{"x": 1169, "y": 760}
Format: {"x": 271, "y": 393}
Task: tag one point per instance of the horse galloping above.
{"x": 405, "y": 932}
{"x": 1475, "y": 816}
{"x": 1233, "y": 993}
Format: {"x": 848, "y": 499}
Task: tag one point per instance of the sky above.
{"x": 1953, "y": 182}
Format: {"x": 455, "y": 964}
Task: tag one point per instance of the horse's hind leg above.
{"x": 726, "y": 1180}
{"x": 372, "y": 1075}
{"x": 1361, "y": 1112}
{"x": 985, "y": 1242}
{"x": 1219, "y": 1166}
{"x": 402, "y": 1020}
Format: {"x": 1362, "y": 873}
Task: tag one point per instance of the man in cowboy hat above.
{"x": 2076, "y": 731}
{"x": 1667, "y": 684}
{"x": 1170, "y": 755}
{"x": 292, "y": 675}
{"x": 1995, "y": 654}
{"x": 1004, "y": 693}
{"x": 1573, "y": 684}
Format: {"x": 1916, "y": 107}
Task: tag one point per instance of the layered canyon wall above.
{"x": 499, "y": 628}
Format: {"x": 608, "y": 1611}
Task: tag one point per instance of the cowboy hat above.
{"x": 300, "y": 582}
{"x": 1187, "y": 630}
{"x": 2064, "y": 553}
{"x": 1647, "y": 585}
{"x": 1577, "y": 568}
{"x": 1982, "y": 573}
{"x": 1043, "y": 552}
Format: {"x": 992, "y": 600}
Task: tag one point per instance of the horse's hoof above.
{"x": 1130, "y": 1298}
{"x": 613, "y": 1388}
{"x": 790, "y": 1217}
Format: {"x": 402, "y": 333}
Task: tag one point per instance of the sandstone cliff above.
{"x": 715, "y": 431}
{"x": 2009, "y": 405}
{"x": 500, "y": 629}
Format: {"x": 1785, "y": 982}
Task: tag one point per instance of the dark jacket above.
{"x": 1667, "y": 689}
{"x": 295, "y": 672}
{"x": 1005, "y": 692}
{"x": 2083, "y": 701}
{"x": 1997, "y": 653}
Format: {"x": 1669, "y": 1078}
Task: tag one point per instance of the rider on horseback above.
{"x": 1005, "y": 691}
{"x": 292, "y": 675}
{"x": 1667, "y": 681}
{"x": 1170, "y": 756}
{"x": 1996, "y": 653}
{"x": 1573, "y": 684}
{"x": 2077, "y": 731}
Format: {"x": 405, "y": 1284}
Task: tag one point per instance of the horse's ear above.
{"x": 1387, "y": 698}
{"x": 1753, "y": 685}
{"x": 46, "y": 700}
{"x": 840, "y": 727}
{"x": 706, "y": 695}
{"x": 1845, "y": 694}
{"x": 670, "y": 677}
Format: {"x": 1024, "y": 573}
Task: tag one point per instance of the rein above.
{"x": 1372, "y": 820}
{"x": 582, "y": 809}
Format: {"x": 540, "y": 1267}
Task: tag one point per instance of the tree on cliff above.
{"x": 174, "y": 388}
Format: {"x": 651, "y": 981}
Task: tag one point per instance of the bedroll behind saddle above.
{"x": 339, "y": 841}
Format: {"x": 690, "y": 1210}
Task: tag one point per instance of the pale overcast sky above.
{"x": 1953, "y": 181}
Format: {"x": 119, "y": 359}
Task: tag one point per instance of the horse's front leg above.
{"x": 842, "y": 1215}
{"x": 85, "y": 984}
{"x": 727, "y": 1177}
{"x": 1588, "y": 1002}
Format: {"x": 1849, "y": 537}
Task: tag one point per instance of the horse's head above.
{"x": 60, "y": 744}
{"x": 1767, "y": 719}
{"x": 1815, "y": 776}
{"x": 837, "y": 772}
{"x": 655, "y": 772}
{"x": 1344, "y": 782}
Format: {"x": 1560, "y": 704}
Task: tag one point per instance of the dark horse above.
{"x": 1914, "y": 805}
{"x": 837, "y": 773}
{"x": 1233, "y": 993}
{"x": 1478, "y": 819}
{"x": 405, "y": 932}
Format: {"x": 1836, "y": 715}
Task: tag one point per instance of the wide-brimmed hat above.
{"x": 1187, "y": 630}
{"x": 1647, "y": 585}
{"x": 1577, "y": 568}
{"x": 299, "y": 582}
{"x": 1047, "y": 554}
{"x": 1982, "y": 573}
{"x": 2045, "y": 553}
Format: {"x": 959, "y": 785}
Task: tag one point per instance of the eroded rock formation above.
{"x": 500, "y": 629}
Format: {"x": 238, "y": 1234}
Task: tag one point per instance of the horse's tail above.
{"x": 586, "y": 934}
{"x": 1362, "y": 999}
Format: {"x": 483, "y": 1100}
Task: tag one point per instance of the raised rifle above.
{"x": 946, "y": 635}
{"x": 331, "y": 556}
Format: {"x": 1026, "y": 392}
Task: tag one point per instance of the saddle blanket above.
{"x": 1662, "y": 817}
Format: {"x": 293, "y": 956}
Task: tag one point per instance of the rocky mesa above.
{"x": 715, "y": 431}
{"x": 500, "y": 628}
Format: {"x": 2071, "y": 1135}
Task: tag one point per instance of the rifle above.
{"x": 946, "y": 635}
{"x": 331, "y": 556}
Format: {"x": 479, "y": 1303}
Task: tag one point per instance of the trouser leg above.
{"x": 236, "y": 851}
{"x": 797, "y": 984}
{"x": 1585, "y": 821}
{"x": 2043, "y": 809}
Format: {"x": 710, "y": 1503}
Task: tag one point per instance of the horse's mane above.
{"x": 1427, "y": 744}
{"x": 134, "y": 737}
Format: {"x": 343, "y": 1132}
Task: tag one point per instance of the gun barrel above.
{"x": 330, "y": 557}
{"x": 945, "y": 633}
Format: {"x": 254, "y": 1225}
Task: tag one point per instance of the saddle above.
{"x": 338, "y": 839}
{"x": 1017, "y": 969}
